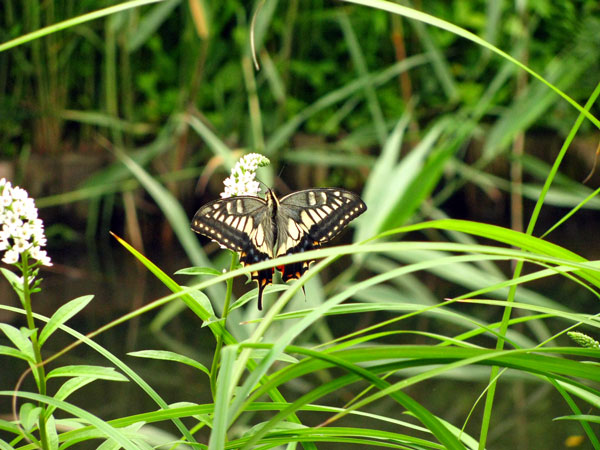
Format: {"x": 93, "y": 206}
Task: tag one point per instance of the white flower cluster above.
{"x": 242, "y": 179}
{"x": 20, "y": 229}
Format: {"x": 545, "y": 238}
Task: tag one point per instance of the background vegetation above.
{"x": 129, "y": 122}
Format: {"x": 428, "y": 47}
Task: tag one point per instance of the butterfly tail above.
{"x": 262, "y": 284}
{"x": 260, "y": 294}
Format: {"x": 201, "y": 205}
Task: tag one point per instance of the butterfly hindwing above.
{"x": 242, "y": 224}
{"x": 306, "y": 219}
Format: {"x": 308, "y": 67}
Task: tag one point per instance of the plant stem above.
{"x": 217, "y": 357}
{"x": 38, "y": 368}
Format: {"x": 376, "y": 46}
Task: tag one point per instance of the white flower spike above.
{"x": 20, "y": 229}
{"x": 242, "y": 179}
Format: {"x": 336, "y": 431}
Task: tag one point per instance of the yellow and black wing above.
{"x": 242, "y": 224}
{"x": 262, "y": 229}
{"x": 306, "y": 219}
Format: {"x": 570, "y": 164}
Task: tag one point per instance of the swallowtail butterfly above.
{"x": 261, "y": 229}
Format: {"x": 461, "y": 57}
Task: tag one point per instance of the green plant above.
{"x": 298, "y": 375}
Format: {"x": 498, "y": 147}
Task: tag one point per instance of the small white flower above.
{"x": 21, "y": 229}
{"x": 40, "y": 255}
{"x": 19, "y": 193}
{"x": 13, "y": 222}
{"x": 21, "y": 245}
{"x": 23, "y": 232}
{"x": 242, "y": 179}
{"x": 19, "y": 209}
{"x": 10, "y": 257}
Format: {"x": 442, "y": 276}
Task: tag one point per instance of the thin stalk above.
{"x": 217, "y": 357}
{"x": 516, "y": 199}
{"x": 400, "y": 50}
{"x": 256, "y": 124}
{"x": 110, "y": 79}
{"x": 39, "y": 367}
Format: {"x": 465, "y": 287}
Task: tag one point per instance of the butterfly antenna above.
{"x": 282, "y": 186}
{"x": 281, "y": 170}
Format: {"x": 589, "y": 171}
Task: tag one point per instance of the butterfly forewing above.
{"x": 236, "y": 223}
{"x": 242, "y": 224}
{"x": 306, "y": 219}
{"x": 314, "y": 216}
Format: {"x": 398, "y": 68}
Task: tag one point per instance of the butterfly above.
{"x": 260, "y": 229}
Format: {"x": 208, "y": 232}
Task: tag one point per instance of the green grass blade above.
{"x": 62, "y": 314}
{"x": 95, "y": 372}
{"x": 149, "y": 24}
{"x": 73, "y": 22}
{"x": 170, "y": 356}
{"x": 379, "y": 178}
{"x": 225, "y": 386}
{"x": 358, "y": 58}
{"x": 395, "y": 8}
{"x": 108, "y": 430}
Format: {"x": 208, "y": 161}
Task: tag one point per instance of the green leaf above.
{"x": 199, "y": 271}
{"x": 132, "y": 432}
{"x": 223, "y": 398}
{"x": 216, "y": 145}
{"x": 14, "y": 281}
{"x": 580, "y": 417}
{"x": 414, "y": 178}
{"x": 360, "y": 65}
{"x": 174, "y": 308}
{"x": 284, "y": 425}
{"x": 95, "y": 372}
{"x": 174, "y": 213}
{"x": 20, "y": 339}
{"x": 414, "y": 14}
{"x": 89, "y": 418}
{"x": 62, "y": 314}
{"x": 282, "y": 135}
{"x": 149, "y": 23}
{"x": 29, "y": 415}
{"x": 509, "y": 237}
{"x": 55, "y": 27}
{"x": 170, "y": 356}
{"x": 13, "y": 352}
{"x": 260, "y": 353}
{"x": 378, "y": 181}
{"x": 68, "y": 387}
{"x": 190, "y": 300}
{"x": 104, "y": 427}
{"x": 51, "y": 433}
{"x": 109, "y": 444}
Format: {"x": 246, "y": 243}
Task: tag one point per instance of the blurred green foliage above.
{"x": 172, "y": 84}
{"x": 147, "y": 64}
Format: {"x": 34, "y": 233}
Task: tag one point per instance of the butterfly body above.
{"x": 261, "y": 229}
